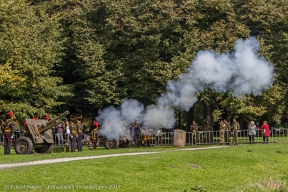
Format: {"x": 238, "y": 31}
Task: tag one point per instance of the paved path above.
{"x": 60, "y": 160}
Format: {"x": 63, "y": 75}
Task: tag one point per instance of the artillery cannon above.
{"x": 38, "y": 135}
{"x": 121, "y": 136}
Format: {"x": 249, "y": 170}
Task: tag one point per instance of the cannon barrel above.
{"x": 50, "y": 124}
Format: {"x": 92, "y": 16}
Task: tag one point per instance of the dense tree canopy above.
{"x": 84, "y": 55}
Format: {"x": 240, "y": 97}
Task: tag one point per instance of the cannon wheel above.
{"x": 48, "y": 148}
{"x": 23, "y": 145}
{"x": 125, "y": 144}
{"x": 110, "y": 144}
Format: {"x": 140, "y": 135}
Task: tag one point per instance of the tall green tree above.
{"x": 30, "y": 45}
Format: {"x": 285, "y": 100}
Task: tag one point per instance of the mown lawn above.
{"x": 242, "y": 168}
{"x": 17, "y": 158}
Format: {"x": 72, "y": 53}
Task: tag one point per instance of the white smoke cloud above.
{"x": 159, "y": 116}
{"x": 242, "y": 72}
{"x": 131, "y": 110}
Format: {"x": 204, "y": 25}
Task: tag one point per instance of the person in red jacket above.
{"x": 265, "y": 132}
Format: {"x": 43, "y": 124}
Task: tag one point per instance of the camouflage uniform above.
{"x": 227, "y": 131}
{"x": 222, "y": 132}
{"x": 235, "y": 127}
{"x": 194, "y": 129}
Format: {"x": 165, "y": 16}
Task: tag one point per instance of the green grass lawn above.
{"x": 241, "y": 168}
{"x": 17, "y": 158}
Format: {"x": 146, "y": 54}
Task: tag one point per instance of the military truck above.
{"x": 38, "y": 136}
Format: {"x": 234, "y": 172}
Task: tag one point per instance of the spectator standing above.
{"x": 251, "y": 132}
{"x": 158, "y": 137}
{"x": 265, "y": 132}
{"x": 67, "y": 131}
{"x": 59, "y": 133}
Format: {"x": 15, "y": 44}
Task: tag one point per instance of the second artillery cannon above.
{"x": 38, "y": 136}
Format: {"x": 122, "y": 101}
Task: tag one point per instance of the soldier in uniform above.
{"x": 8, "y": 131}
{"x": 79, "y": 131}
{"x": 148, "y": 137}
{"x": 73, "y": 133}
{"x": 94, "y": 135}
{"x": 226, "y": 127}
{"x": 194, "y": 129}
{"x": 234, "y": 129}
{"x": 145, "y": 136}
{"x": 137, "y": 137}
{"x": 222, "y": 133}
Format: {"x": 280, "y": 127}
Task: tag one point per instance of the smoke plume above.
{"x": 242, "y": 72}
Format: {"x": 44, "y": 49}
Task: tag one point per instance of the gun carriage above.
{"x": 124, "y": 140}
{"x": 38, "y": 136}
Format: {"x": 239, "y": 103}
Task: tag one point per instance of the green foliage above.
{"x": 30, "y": 46}
{"x": 84, "y": 55}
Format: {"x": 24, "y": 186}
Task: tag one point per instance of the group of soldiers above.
{"x": 227, "y": 130}
{"x": 142, "y": 135}
{"x": 76, "y": 132}
{"x": 137, "y": 134}
{"x": 7, "y": 129}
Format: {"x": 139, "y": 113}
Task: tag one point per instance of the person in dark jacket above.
{"x": 8, "y": 132}
{"x": 59, "y": 133}
{"x": 73, "y": 133}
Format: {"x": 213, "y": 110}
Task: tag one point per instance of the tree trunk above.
{"x": 190, "y": 118}
{"x": 208, "y": 122}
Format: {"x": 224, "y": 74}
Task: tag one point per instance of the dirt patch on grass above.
{"x": 196, "y": 166}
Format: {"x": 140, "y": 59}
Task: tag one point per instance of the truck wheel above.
{"x": 49, "y": 148}
{"x": 23, "y": 145}
{"x": 110, "y": 144}
{"x": 125, "y": 144}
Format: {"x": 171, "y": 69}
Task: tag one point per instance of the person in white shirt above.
{"x": 67, "y": 129}
{"x": 251, "y": 131}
